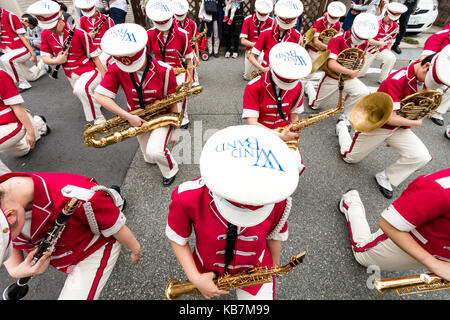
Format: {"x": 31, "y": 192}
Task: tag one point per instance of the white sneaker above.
{"x": 227, "y": 54}
{"x": 24, "y": 85}
{"x": 234, "y": 56}
{"x": 383, "y": 181}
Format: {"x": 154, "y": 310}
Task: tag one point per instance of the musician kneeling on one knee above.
{"x": 238, "y": 209}
{"x": 88, "y": 247}
{"x": 414, "y": 230}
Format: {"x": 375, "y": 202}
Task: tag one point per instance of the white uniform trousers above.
{"x": 17, "y": 145}
{"x": 14, "y": 62}
{"x": 249, "y": 67}
{"x": 445, "y": 103}
{"x": 266, "y": 292}
{"x": 154, "y": 147}
{"x": 413, "y": 153}
{"x": 353, "y": 88}
{"x": 83, "y": 88}
{"x": 385, "y": 57}
{"x": 373, "y": 249}
{"x": 182, "y": 105}
{"x": 3, "y": 168}
{"x": 87, "y": 279}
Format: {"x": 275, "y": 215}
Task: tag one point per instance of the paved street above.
{"x": 329, "y": 271}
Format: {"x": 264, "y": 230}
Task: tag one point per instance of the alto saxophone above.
{"x": 424, "y": 282}
{"x": 118, "y": 129}
{"x": 313, "y": 119}
{"x": 258, "y": 275}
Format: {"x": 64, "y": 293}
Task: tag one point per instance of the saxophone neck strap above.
{"x": 139, "y": 88}
{"x": 163, "y": 49}
{"x": 229, "y": 249}
{"x": 277, "y": 98}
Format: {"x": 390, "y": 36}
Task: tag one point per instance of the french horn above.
{"x": 325, "y": 37}
{"x": 371, "y": 112}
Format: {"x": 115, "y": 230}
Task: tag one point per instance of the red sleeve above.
{"x": 393, "y": 86}
{"x": 45, "y": 45}
{"x": 109, "y": 86}
{"x": 8, "y": 89}
{"x": 251, "y": 99}
{"x": 334, "y": 47}
{"x": 261, "y": 42}
{"x": 179, "y": 224}
{"x": 16, "y": 24}
{"x": 245, "y": 30}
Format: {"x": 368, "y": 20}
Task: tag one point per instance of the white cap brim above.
{"x": 241, "y": 217}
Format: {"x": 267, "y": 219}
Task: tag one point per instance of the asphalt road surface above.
{"x": 329, "y": 271}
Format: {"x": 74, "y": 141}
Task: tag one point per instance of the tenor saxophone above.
{"x": 118, "y": 129}
{"x": 424, "y": 282}
{"x": 258, "y": 275}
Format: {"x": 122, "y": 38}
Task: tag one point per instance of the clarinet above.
{"x": 100, "y": 24}
{"x": 54, "y": 74}
{"x": 19, "y": 289}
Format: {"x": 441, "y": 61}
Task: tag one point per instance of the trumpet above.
{"x": 424, "y": 282}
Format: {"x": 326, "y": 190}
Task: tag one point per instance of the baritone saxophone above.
{"x": 258, "y": 275}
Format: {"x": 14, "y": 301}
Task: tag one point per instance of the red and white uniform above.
{"x": 88, "y": 24}
{"x": 413, "y": 153}
{"x": 422, "y": 210}
{"x": 193, "y": 209}
{"x": 160, "y": 81}
{"x": 259, "y": 102}
{"x": 436, "y": 42}
{"x": 177, "y": 41}
{"x": 270, "y": 37}
{"x": 328, "y": 86}
{"x": 191, "y": 27}
{"x": 12, "y": 132}
{"x": 386, "y": 33}
{"x": 251, "y": 30}
{"x": 80, "y": 69}
{"x": 88, "y": 233}
{"x": 320, "y": 25}
{"x": 15, "y": 53}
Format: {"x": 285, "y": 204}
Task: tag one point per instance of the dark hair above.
{"x": 62, "y": 5}
{"x": 427, "y": 59}
{"x": 31, "y": 20}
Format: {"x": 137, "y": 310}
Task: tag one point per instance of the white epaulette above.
{"x": 191, "y": 185}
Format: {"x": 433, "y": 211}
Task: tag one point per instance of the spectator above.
{"x": 214, "y": 34}
{"x": 33, "y": 31}
{"x": 119, "y": 9}
{"x": 403, "y": 22}
{"x": 232, "y": 31}
{"x": 358, "y": 6}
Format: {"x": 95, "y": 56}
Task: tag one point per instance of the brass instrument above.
{"x": 371, "y": 112}
{"x": 419, "y": 105}
{"x": 118, "y": 129}
{"x": 259, "y": 275}
{"x": 325, "y": 37}
{"x": 313, "y": 119}
{"x": 308, "y": 37}
{"x": 195, "y": 39}
{"x": 424, "y": 282}
{"x": 350, "y": 58}
{"x": 255, "y": 74}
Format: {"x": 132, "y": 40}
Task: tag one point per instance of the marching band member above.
{"x": 414, "y": 231}
{"x": 252, "y": 27}
{"x": 275, "y": 99}
{"x": 286, "y": 15}
{"x": 397, "y": 130}
{"x": 144, "y": 80}
{"x": 166, "y": 41}
{"x": 435, "y": 44}
{"x": 17, "y": 52}
{"x": 19, "y": 131}
{"x": 95, "y": 24}
{"x": 80, "y": 61}
{"x": 238, "y": 209}
{"x": 380, "y": 45}
{"x": 330, "y": 20}
{"x": 364, "y": 27}
{"x": 180, "y": 10}
{"x": 89, "y": 246}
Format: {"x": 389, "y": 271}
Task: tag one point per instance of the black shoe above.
{"x": 185, "y": 126}
{"x": 216, "y": 55}
{"x": 437, "y": 121}
{"x": 387, "y": 193}
{"x": 168, "y": 181}
{"x": 48, "y": 128}
{"x": 396, "y": 49}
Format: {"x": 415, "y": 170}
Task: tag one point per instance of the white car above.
{"x": 423, "y": 17}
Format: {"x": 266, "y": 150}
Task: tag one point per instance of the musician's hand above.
{"x": 265, "y": 69}
{"x": 92, "y": 34}
{"x": 135, "y": 121}
{"x": 286, "y": 134}
{"x": 42, "y": 263}
{"x": 31, "y": 139}
{"x": 62, "y": 57}
{"x": 174, "y": 138}
{"x": 24, "y": 269}
{"x": 205, "y": 284}
{"x": 353, "y": 73}
{"x": 417, "y": 123}
{"x": 34, "y": 58}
